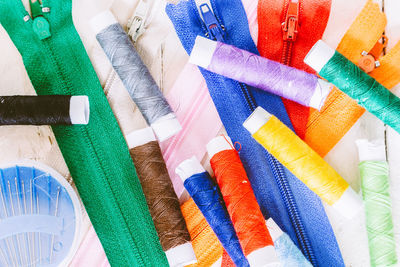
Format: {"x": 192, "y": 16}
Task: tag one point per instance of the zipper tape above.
{"x": 303, "y": 162}
{"x": 354, "y": 82}
{"x": 340, "y": 113}
{"x": 97, "y": 153}
{"x": 288, "y": 253}
{"x": 44, "y": 110}
{"x": 304, "y": 219}
{"x": 287, "y": 31}
{"x": 267, "y": 75}
{"x": 194, "y": 108}
{"x": 205, "y": 193}
{"x": 160, "y": 196}
{"x": 135, "y": 76}
{"x": 239, "y": 197}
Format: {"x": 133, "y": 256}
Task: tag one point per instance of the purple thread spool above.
{"x": 234, "y": 63}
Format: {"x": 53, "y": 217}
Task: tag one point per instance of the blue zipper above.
{"x": 215, "y": 30}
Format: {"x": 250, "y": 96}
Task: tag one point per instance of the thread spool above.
{"x": 302, "y": 161}
{"x": 374, "y": 172}
{"x": 205, "y": 193}
{"x": 160, "y": 197}
{"x": 135, "y": 76}
{"x": 44, "y": 110}
{"x": 354, "y": 82}
{"x": 288, "y": 253}
{"x": 239, "y": 198}
{"x": 267, "y": 75}
{"x": 40, "y": 216}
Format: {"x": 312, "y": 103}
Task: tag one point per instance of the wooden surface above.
{"x": 163, "y": 54}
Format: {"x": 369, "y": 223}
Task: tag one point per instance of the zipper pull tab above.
{"x": 40, "y": 25}
{"x": 369, "y": 61}
{"x": 214, "y": 29}
{"x": 136, "y": 23}
{"x": 291, "y": 23}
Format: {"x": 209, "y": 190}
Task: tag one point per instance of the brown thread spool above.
{"x": 160, "y": 197}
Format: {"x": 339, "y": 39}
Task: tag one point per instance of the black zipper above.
{"x": 275, "y": 165}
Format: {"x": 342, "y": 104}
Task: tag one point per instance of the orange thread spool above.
{"x": 241, "y": 202}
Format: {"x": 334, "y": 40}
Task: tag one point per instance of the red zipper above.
{"x": 290, "y": 27}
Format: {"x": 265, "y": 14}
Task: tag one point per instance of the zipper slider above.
{"x": 215, "y": 30}
{"x": 40, "y": 25}
{"x": 291, "y": 23}
{"x": 136, "y": 23}
{"x": 369, "y": 61}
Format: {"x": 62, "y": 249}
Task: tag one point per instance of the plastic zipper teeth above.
{"x": 278, "y": 172}
{"x": 67, "y": 87}
{"x": 289, "y": 28}
{"x": 286, "y": 56}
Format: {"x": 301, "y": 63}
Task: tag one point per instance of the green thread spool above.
{"x": 374, "y": 172}
{"x": 354, "y": 82}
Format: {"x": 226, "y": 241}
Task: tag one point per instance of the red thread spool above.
{"x": 241, "y": 202}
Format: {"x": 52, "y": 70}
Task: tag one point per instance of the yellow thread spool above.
{"x": 302, "y": 161}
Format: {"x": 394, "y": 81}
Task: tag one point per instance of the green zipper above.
{"x": 97, "y": 155}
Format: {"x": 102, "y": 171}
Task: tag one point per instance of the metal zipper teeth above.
{"x": 67, "y": 86}
{"x": 280, "y": 176}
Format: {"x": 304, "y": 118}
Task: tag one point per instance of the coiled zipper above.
{"x": 214, "y": 29}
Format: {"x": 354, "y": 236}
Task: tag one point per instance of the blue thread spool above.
{"x": 206, "y": 195}
{"x": 40, "y": 216}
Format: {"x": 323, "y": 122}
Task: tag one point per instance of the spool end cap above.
{"x": 218, "y": 144}
{"x": 256, "y": 120}
{"x": 140, "y": 137}
{"x": 274, "y": 230}
{"x": 79, "y": 109}
{"x": 188, "y": 168}
{"x": 166, "y": 127}
{"x": 319, "y": 55}
{"x": 202, "y": 52}
{"x": 349, "y": 203}
{"x": 321, "y": 92}
{"x": 181, "y": 255}
{"x": 102, "y": 21}
{"x": 265, "y": 256}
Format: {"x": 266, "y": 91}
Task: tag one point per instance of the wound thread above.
{"x": 207, "y": 196}
{"x": 378, "y": 209}
{"x": 135, "y": 76}
{"x": 205, "y": 243}
{"x": 354, "y": 82}
{"x": 240, "y": 201}
{"x": 44, "y": 110}
{"x": 374, "y": 171}
{"x": 302, "y": 161}
{"x": 161, "y": 198}
{"x": 271, "y": 76}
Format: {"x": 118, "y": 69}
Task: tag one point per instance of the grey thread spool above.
{"x": 135, "y": 76}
